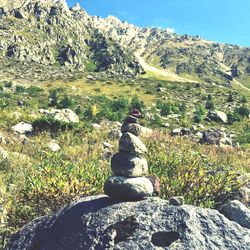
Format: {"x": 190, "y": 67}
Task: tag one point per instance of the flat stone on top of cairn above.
{"x": 129, "y": 165}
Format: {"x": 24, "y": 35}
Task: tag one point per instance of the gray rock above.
{"x": 131, "y": 119}
{"x": 98, "y": 222}
{"x": 131, "y": 144}
{"x": 67, "y": 115}
{"x": 217, "y": 116}
{"x": 176, "y": 131}
{"x": 128, "y": 165}
{"x": 176, "y": 201}
{"x": 22, "y": 128}
{"x": 115, "y": 134}
{"x": 123, "y": 188}
{"x": 132, "y": 128}
{"x": 54, "y": 146}
{"x": 236, "y": 211}
{"x": 181, "y": 131}
{"x": 211, "y": 137}
{"x": 156, "y": 182}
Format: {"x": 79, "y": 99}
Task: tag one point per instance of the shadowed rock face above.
{"x": 98, "y": 222}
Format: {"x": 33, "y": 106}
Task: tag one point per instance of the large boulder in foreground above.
{"x": 98, "y": 222}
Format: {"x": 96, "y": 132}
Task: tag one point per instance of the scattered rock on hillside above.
{"x": 115, "y": 134}
{"x": 3, "y": 155}
{"x": 176, "y": 201}
{"x": 63, "y": 115}
{"x": 96, "y": 126}
{"x": 54, "y": 146}
{"x": 98, "y": 222}
{"x": 215, "y": 137}
{"x": 217, "y": 116}
{"x": 181, "y": 132}
{"x": 67, "y": 115}
{"x": 236, "y": 211}
{"x": 22, "y": 128}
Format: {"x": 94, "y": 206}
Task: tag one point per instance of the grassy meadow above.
{"x": 34, "y": 181}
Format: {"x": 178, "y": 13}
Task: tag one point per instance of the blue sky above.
{"x": 226, "y": 21}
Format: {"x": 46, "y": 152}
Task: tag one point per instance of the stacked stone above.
{"x": 129, "y": 165}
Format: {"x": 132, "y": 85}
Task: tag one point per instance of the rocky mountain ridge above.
{"x": 47, "y": 32}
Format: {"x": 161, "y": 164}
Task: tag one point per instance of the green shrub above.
{"x": 53, "y": 95}
{"x": 244, "y": 137}
{"x": 4, "y": 103}
{"x": 65, "y": 102}
{"x": 188, "y": 173}
{"x": 230, "y": 98}
{"x": 34, "y": 91}
{"x": 210, "y": 105}
{"x": 233, "y": 117}
{"x": 243, "y": 99}
{"x": 90, "y": 66}
{"x": 137, "y": 103}
{"x": 243, "y": 111}
{"x": 47, "y": 123}
{"x": 167, "y": 108}
{"x": 51, "y": 183}
{"x": 20, "y": 89}
{"x": 120, "y": 104}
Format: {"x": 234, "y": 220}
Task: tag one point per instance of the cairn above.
{"x": 129, "y": 165}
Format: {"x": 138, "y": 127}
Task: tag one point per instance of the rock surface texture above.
{"x": 99, "y": 222}
{"x": 129, "y": 165}
{"x": 236, "y": 211}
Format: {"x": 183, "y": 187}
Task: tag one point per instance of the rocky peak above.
{"x": 76, "y": 7}
{"x": 17, "y": 4}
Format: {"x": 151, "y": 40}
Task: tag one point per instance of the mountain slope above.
{"x": 48, "y": 33}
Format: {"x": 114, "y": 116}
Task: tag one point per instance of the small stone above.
{"x": 133, "y": 128}
{"x": 176, "y": 201}
{"x": 136, "y": 113}
{"x": 131, "y": 144}
{"x": 156, "y": 183}
{"x": 96, "y": 126}
{"x": 53, "y": 146}
{"x": 22, "y": 128}
{"x": 124, "y": 164}
{"x": 123, "y": 188}
{"x": 131, "y": 119}
{"x": 176, "y": 131}
{"x": 107, "y": 145}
